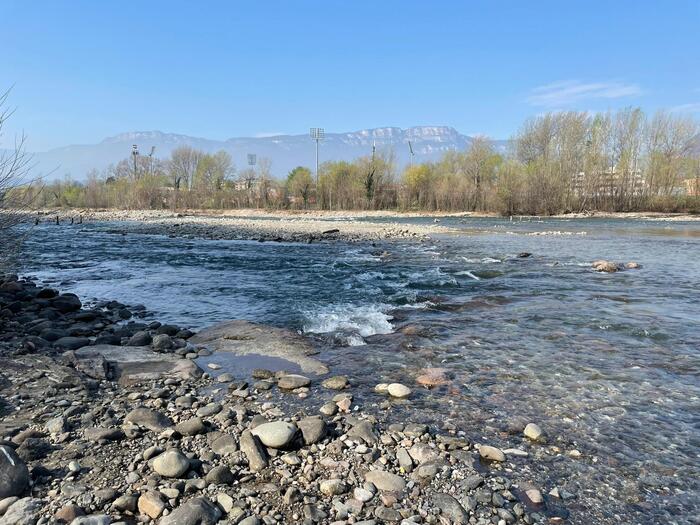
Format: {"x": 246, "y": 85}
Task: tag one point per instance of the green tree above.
{"x": 300, "y": 184}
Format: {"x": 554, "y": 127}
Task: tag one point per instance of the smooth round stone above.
{"x": 276, "y": 434}
{"x": 533, "y": 431}
{"x": 293, "y": 381}
{"x": 491, "y": 453}
{"x": 385, "y": 481}
{"x": 150, "y": 419}
{"x": 171, "y": 464}
{"x": 15, "y": 475}
{"x": 329, "y": 409}
{"x": 362, "y": 494}
{"x": 398, "y": 390}
{"x": 226, "y": 377}
{"x": 381, "y": 388}
{"x": 333, "y": 487}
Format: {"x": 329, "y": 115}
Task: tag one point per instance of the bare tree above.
{"x": 15, "y": 190}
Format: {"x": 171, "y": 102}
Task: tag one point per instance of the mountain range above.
{"x": 285, "y": 151}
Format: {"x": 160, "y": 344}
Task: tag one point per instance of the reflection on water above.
{"x": 607, "y": 364}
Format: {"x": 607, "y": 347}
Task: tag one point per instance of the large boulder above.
{"x": 67, "y": 302}
{"x": 14, "y": 475}
{"x": 245, "y": 338}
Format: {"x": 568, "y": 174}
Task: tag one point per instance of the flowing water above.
{"x": 607, "y": 364}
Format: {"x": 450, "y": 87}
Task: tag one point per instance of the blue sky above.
{"x": 84, "y": 70}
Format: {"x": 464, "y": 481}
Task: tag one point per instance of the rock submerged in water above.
{"x": 432, "y": 377}
{"x": 293, "y": 381}
{"x": 14, "y": 475}
{"x": 533, "y": 431}
{"x": 398, "y": 390}
{"x": 491, "y": 453}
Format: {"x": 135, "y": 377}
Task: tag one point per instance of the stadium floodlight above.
{"x": 252, "y": 159}
{"x": 134, "y": 154}
{"x": 317, "y": 134}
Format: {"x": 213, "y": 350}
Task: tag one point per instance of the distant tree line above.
{"x": 556, "y": 163}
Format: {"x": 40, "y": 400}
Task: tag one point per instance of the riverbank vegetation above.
{"x": 556, "y": 163}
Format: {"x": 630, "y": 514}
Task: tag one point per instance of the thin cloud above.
{"x": 268, "y": 134}
{"x": 565, "y": 93}
{"x": 693, "y": 107}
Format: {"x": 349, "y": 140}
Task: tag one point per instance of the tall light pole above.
{"x": 252, "y": 161}
{"x": 134, "y": 154}
{"x": 317, "y": 134}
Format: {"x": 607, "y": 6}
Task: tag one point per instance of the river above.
{"x": 607, "y": 364}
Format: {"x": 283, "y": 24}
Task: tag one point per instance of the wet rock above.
{"x": 398, "y": 390}
{"x": 66, "y": 303}
{"x": 432, "y": 377}
{"x": 250, "y": 520}
{"x": 329, "y": 409}
{"x": 250, "y": 446}
{"x": 151, "y": 504}
{"x": 491, "y": 453}
{"x": 141, "y": 338}
{"x": 534, "y": 495}
{"x": 335, "y": 383}
{"x": 604, "y": 266}
{"x": 162, "y": 342}
{"x": 632, "y": 265}
{"x": 276, "y": 434}
{"x": 451, "y": 508}
{"x": 244, "y": 338}
{"x": 313, "y": 429}
{"x": 386, "y": 481}
{"x": 532, "y": 431}
{"x": 14, "y": 475}
{"x": 171, "y": 464}
{"x": 148, "y": 418}
{"x": 71, "y": 343}
{"x": 293, "y": 381}
{"x": 197, "y": 511}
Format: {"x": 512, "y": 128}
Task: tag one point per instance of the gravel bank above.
{"x": 264, "y": 227}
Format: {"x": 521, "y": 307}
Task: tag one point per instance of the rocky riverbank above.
{"x": 258, "y": 227}
{"x": 106, "y": 418}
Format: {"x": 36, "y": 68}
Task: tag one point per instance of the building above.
{"x": 609, "y": 183}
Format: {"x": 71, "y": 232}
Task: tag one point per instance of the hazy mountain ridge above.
{"x": 285, "y": 151}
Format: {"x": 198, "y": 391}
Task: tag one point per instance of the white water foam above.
{"x": 356, "y": 321}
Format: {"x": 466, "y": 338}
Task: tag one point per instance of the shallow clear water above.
{"x": 607, "y": 364}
